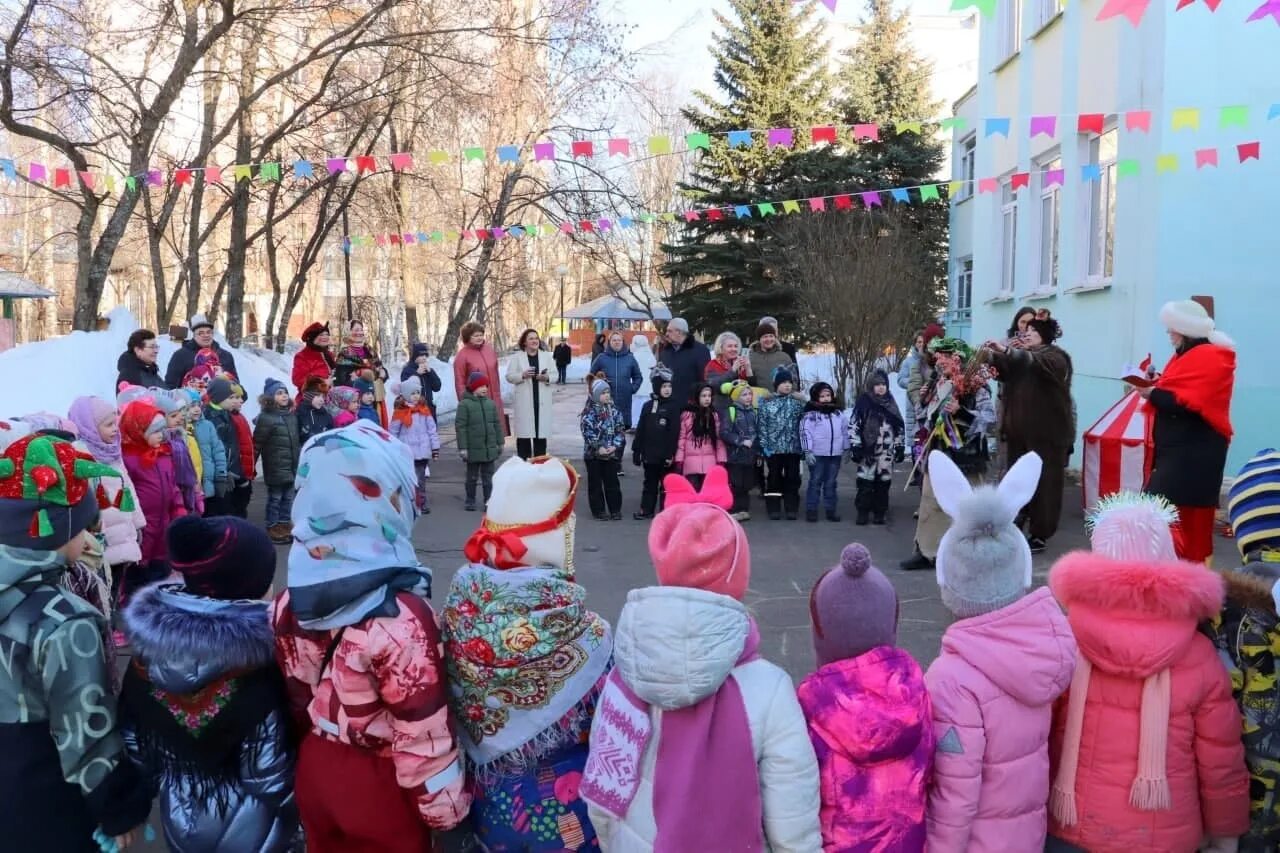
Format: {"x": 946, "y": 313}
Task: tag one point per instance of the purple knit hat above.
{"x": 854, "y": 608}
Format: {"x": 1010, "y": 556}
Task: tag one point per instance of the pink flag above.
{"x": 987, "y": 185}
{"x": 1054, "y": 177}
{"x": 781, "y": 136}
{"x": 36, "y": 172}
{"x": 1131, "y": 9}
{"x": 866, "y": 132}
{"x": 212, "y": 175}
{"x": 87, "y": 179}
{"x": 1269, "y": 9}
{"x": 691, "y": 216}
{"x": 620, "y": 146}
{"x": 1138, "y": 120}
{"x": 402, "y": 161}
{"x": 1206, "y": 157}
{"x": 1048, "y": 125}
{"x": 566, "y": 227}
{"x": 817, "y": 204}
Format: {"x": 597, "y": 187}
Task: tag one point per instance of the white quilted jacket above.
{"x": 674, "y": 647}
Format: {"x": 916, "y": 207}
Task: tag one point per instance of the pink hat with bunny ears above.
{"x": 695, "y": 543}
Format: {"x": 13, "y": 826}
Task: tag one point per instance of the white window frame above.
{"x": 1008, "y": 238}
{"x": 962, "y": 301}
{"x": 1099, "y": 242}
{"x": 968, "y": 166}
{"x": 1008, "y": 29}
{"x": 1047, "y": 10}
{"x": 1049, "y": 207}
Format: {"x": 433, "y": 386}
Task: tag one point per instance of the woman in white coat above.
{"x": 529, "y": 371}
{"x": 698, "y": 744}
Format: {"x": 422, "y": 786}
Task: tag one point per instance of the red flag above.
{"x": 365, "y": 163}
{"x": 587, "y": 226}
{"x": 395, "y": 239}
{"x": 715, "y": 213}
{"x": 823, "y": 134}
{"x": 61, "y": 178}
{"x": 1249, "y": 151}
{"x": 482, "y": 234}
{"x": 1091, "y": 123}
{"x": 583, "y": 148}
{"x": 843, "y": 202}
{"x": 1019, "y": 180}
{"x": 182, "y": 176}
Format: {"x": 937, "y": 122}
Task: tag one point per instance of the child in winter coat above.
{"x": 224, "y": 767}
{"x": 603, "y": 437}
{"x": 1247, "y": 635}
{"x": 824, "y": 437}
{"x": 344, "y": 402}
{"x": 148, "y": 458}
{"x": 186, "y": 395}
{"x": 213, "y": 456}
{"x": 173, "y": 404}
{"x": 368, "y": 410}
{"x": 65, "y": 773}
{"x": 526, "y": 761}
{"x": 699, "y": 448}
{"x": 657, "y": 434}
{"x": 360, "y": 649}
{"x": 688, "y": 681}
{"x": 314, "y": 416}
{"x": 276, "y": 440}
{"x": 480, "y": 436}
{"x": 231, "y": 497}
{"x": 869, "y": 714}
{"x": 1147, "y": 744}
{"x": 98, "y": 426}
{"x": 779, "y": 428}
{"x": 875, "y": 444}
{"x": 738, "y": 431}
{"x": 413, "y": 423}
{"x": 1004, "y": 661}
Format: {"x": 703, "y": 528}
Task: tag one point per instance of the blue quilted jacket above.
{"x": 778, "y": 424}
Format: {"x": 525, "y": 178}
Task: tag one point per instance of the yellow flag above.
{"x": 1187, "y": 118}
{"x": 437, "y": 158}
{"x": 907, "y": 127}
{"x": 243, "y": 172}
{"x": 1166, "y": 163}
{"x": 954, "y": 188}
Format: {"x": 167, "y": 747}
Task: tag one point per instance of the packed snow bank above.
{"x": 49, "y": 375}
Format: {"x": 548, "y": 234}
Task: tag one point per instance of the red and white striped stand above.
{"x": 1118, "y": 450}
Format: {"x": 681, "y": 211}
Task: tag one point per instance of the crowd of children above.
{"x": 1093, "y": 714}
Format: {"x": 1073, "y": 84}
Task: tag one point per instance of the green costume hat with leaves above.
{"x": 951, "y": 345}
{"x": 46, "y": 497}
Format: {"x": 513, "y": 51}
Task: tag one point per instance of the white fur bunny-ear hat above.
{"x": 984, "y": 562}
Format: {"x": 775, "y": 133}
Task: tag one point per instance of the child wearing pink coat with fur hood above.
{"x": 1146, "y": 746}
{"x": 868, "y": 712}
{"x": 1004, "y": 662}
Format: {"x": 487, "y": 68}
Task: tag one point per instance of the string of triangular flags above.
{"x": 1231, "y": 116}
{"x": 867, "y": 199}
{"x": 1132, "y": 10}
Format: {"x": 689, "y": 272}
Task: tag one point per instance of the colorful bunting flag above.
{"x": 1138, "y": 120}
{"x": 1091, "y": 123}
{"x": 908, "y": 127}
{"x": 1249, "y": 151}
{"x": 987, "y": 185}
{"x": 1055, "y": 177}
{"x": 1166, "y": 163}
{"x": 36, "y": 173}
{"x": 715, "y": 214}
{"x": 566, "y": 227}
{"x": 366, "y": 164}
{"x": 1270, "y": 9}
{"x": 870, "y": 199}
{"x": 88, "y": 179}
{"x": 766, "y": 209}
{"x": 130, "y": 184}
{"x": 781, "y": 136}
{"x": 1233, "y": 116}
{"x": 544, "y": 151}
{"x": 956, "y": 124}
{"x": 742, "y": 211}
{"x": 1046, "y": 125}
{"x": 401, "y": 162}
{"x": 269, "y": 171}
{"x": 866, "y": 133}
{"x": 996, "y": 125}
{"x": 212, "y": 175}
{"x": 1133, "y": 10}
{"x": 242, "y": 172}
{"x": 739, "y": 139}
{"x": 182, "y": 177}
{"x": 900, "y": 195}
{"x": 1128, "y": 168}
{"x": 1090, "y": 172}
{"x": 826, "y": 133}
{"x": 508, "y": 153}
{"x": 1186, "y": 118}
{"x": 302, "y": 169}
{"x": 1018, "y": 180}
{"x": 691, "y": 216}
{"x": 1273, "y": 111}
{"x": 954, "y": 188}
{"x": 586, "y": 226}
{"x": 110, "y": 183}
{"x": 61, "y": 178}
{"x": 659, "y": 144}
{"x": 929, "y": 192}
{"x": 437, "y": 157}
{"x": 1206, "y": 157}
{"x": 9, "y": 169}
{"x": 155, "y": 178}
{"x": 986, "y": 8}
{"x": 473, "y": 154}
{"x": 817, "y": 204}
{"x": 791, "y": 206}
{"x": 698, "y": 140}
{"x": 843, "y": 202}
{"x": 620, "y": 147}
{"x": 336, "y": 165}
{"x": 582, "y": 148}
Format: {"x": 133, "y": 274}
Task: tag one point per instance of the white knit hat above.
{"x": 1190, "y": 319}
{"x": 199, "y": 321}
{"x": 532, "y": 502}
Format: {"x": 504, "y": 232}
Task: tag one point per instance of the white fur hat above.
{"x": 984, "y": 561}
{"x": 1190, "y": 319}
{"x": 532, "y": 502}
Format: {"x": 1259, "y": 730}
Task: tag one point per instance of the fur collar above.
{"x": 1170, "y": 590}
{"x": 1249, "y": 590}
{"x": 187, "y": 640}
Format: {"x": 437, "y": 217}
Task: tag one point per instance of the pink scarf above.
{"x": 706, "y": 789}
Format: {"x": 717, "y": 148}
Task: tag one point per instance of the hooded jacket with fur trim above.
{"x": 1133, "y": 620}
{"x": 1247, "y": 635}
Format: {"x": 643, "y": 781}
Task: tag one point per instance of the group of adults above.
{"x": 138, "y": 364}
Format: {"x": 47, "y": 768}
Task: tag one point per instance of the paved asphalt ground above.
{"x": 786, "y": 556}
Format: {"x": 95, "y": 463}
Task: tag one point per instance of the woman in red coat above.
{"x": 314, "y": 359}
{"x": 477, "y": 356}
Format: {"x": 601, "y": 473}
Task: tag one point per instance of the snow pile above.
{"x": 446, "y": 401}
{"x": 821, "y": 367}
{"x": 49, "y": 375}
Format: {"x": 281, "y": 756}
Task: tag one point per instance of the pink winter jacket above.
{"x": 870, "y": 723}
{"x": 1133, "y": 620}
{"x": 992, "y": 690}
{"x": 694, "y": 458}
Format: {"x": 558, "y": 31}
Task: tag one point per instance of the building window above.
{"x": 1009, "y": 29}
{"x": 1050, "y": 213}
{"x": 963, "y": 302}
{"x": 1008, "y": 239}
{"x": 1047, "y": 10}
{"x": 968, "y": 171}
{"x": 1102, "y": 206}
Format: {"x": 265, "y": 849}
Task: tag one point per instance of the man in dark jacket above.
{"x": 419, "y": 365}
{"x": 65, "y": 774}
{"x": 201, "y": 341}
{"x": 137, "y": 364}
{"x": 685, "y": 357}
{"x": 563, "y": 355}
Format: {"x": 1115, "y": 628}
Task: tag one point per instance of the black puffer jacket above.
{"x": 658, "y": 432}
{"x": 312, "y": 421}
{"x": 135, "y": 371}
{"x": 225, "y": 782}
{"x": 277, "y": 441}
{"x": 686, "y": 363}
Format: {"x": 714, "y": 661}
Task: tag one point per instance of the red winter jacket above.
{"x": 308, "y": 362}
{"x": 244, "y": 437}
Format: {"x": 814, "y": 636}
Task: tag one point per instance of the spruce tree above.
{"x": 771, "y": 70}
